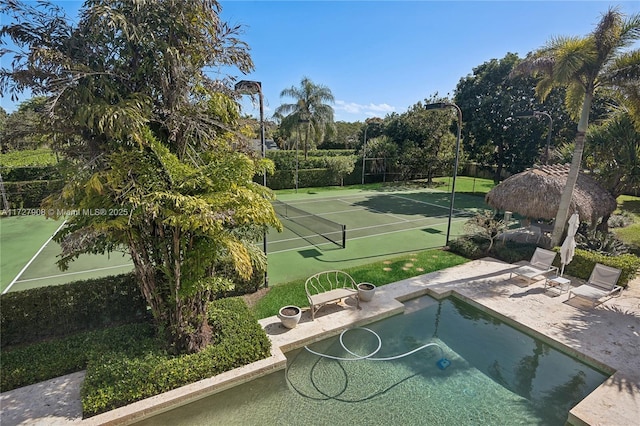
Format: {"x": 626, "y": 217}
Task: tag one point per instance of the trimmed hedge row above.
{"x": 20, "y": 174}
{"x": 286, "y": 159}
{"x": 584, "y": 261}
{"x": 285, "y": 179}
{"x": 53, "y": 311}
{"x": 114, "y": 380}
{"x": 46, "y": 360}
{"x": 29, "y": 194}
{"x": 580, "y": 267}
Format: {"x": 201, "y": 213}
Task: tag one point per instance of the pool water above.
{"x": 497, "y": 376}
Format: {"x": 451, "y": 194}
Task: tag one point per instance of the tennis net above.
{"x": 328, "y": 229}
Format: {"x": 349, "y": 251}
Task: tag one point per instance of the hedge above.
{"x": 285, "y": 179}
{"x": 580, "y": 267}
{"x": 53, "y": 311}
{"x": 54, "y": 358}
{"x": 286, "y": 159}
{"x": 28, "y": 173}
{"x": 114, "y": 379}
{"x": 29, "y": 194}
{"x": 584, "y": 261}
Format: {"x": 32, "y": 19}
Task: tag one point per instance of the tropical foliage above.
{"x": 310, "y": 112}
{"x": 584, "y": 65}
{"x": 426, "y": 145}
{"x": 613, "y": 149}
{"x": 499, "y": 123}
{"x": 151, "y": 135}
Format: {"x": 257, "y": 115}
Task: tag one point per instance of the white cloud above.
{"x": 369, "y": 109}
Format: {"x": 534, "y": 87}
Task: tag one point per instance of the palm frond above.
{"x": 544, "y": 87}
{"x": 572, "y": 58}
{"x": 574, "y": 98}
{"x": 630, "y": 30}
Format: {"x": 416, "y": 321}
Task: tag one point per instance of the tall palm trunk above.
{"x": 576, "y": 162}
{"x": 306, "y": 140}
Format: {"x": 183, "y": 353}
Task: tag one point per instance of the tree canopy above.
{"x": 311, "y": 111}
{"x": 493, "y": 133}
{"x": 155, "y": 146}
{"x": 584, "y": 65}
{"x": 424, "y": 140}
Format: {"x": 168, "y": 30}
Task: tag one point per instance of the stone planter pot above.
{"x": 366, "y": 291}
{"x": 290, "y": 316}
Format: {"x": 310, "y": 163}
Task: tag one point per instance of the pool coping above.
{"x": 582, "y": 332}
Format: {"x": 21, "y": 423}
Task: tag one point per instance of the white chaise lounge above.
{"x": 601, "y": 283}
{"x": 539, "y": 265}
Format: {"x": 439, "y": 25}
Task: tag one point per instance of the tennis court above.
{"x": 379, "y": 224}
{"x": 28, "y": 256}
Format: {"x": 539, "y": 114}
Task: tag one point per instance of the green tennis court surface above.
{"x": 379, "y": 224}
{"x": 28, "y": 258}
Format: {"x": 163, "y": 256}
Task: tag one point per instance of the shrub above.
{"x": 30, "y": 194}
{"x": 470, "y": 247}
{"x": 53, "y": 311}
{"x": 584, "y": 261}
{"x": 512, "y": 252}
{"x": 486, "y": 226}
{"x": 114, "y": 379}
{"x": 474, "y": 247}
{"x": 45, "y": 360}
{"x": 600, "y": 242}
{"x": 621, "y": 220}
{"x": 19, "y": 174}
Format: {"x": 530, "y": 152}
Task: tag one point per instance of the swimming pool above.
{"x": 497, "y": 376}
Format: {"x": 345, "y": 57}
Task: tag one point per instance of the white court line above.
{"x": 345, "y": 199}
{"x": 380, "y": 212}
{"x": 365, "y": 196}
{"x": 421, "y": 202}
{"x": 74, "y": 273}
{"x": 403, "y": 221}
{"x": 364, "y": 236}
{"x": 33, "y": 258}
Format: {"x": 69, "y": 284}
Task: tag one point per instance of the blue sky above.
{"x": 379, "y": 57}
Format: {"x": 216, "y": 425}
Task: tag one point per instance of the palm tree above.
{"x": 614, "y": 149}
{"x": 583, "y": 65}
{"x": 310, "y": 109}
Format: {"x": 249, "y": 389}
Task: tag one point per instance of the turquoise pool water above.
{"x": 497, "y": 376}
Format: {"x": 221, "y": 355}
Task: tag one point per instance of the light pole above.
{"x": 539, "y": 114}
{"x": 248, "y": 87}
{"x": 443, "y": 105}
{"x": 364, "y": 149}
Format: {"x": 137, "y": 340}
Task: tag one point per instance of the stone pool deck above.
{"x": 607, "y": 337}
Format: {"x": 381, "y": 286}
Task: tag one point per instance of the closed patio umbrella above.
{"x": 568, "y": 248}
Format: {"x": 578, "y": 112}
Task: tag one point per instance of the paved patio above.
{"x": 607, "y": 337}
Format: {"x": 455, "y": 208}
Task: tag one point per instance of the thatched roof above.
{"x": 536, "y": 193}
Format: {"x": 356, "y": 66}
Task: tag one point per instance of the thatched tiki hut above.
{"x": 536, "y": 193}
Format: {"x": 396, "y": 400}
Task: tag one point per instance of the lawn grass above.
{"x": 28, "y": 157}
{"x": 378, "y": 273}
{"x": 630, "y": 235}
{"x": 464, "y": 184}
